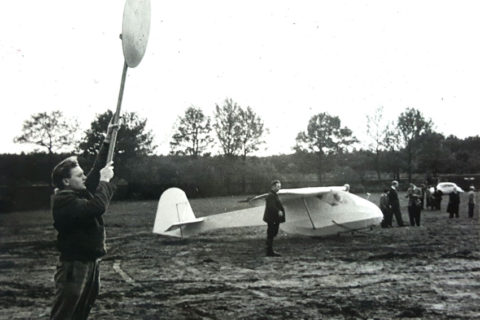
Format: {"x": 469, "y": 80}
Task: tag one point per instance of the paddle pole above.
{"x": 116, "y": 116}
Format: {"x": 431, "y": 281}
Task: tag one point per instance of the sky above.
{"x": 287, "y": 60}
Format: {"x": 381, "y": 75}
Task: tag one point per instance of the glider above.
{"x": 318, "y": 211}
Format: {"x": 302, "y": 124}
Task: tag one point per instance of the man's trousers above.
{"x": 272, "y": 231}
{"x": 398, "y": 217}
{"x": 414, "y": 215}
{"x": 77, "y": 284}
{"x": 471, "y": 208}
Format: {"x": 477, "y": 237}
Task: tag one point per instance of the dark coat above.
{"x": 384, "y": 204}
{"x": 78, "y": 218}
{"x": 393, "y": 201}
{"x": 272, "y": 207}
{"x": 453, "y": 203}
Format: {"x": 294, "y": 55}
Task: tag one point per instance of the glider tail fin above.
{"x": 174, "y": 213}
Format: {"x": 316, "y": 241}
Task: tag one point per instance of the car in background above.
{"x": 448, "y": 187}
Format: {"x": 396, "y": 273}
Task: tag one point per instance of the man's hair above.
{"x": 394, "y": 182}
{"x": 274, "y": 182}
{"x": 63, "y": 170}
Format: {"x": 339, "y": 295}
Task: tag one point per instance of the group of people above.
{"x": 390, "y": 204}
{"x": 433, "y": 197}
{"x": 454, "y": 203}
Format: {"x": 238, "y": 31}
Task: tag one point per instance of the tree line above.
{"x": 326, "y": 150}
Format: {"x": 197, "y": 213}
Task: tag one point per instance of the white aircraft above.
{"x": 318, "y": 211}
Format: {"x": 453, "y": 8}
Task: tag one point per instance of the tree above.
{"x": 392, "y": 159}
{"x": 381, "y": 136}
{"x": 239, "y": 132}
{"x": 192, "y": 136}
{"x": 431, "y": 153}
{"x": 412, "y": 124}
{"x": 324, "y": 136}
{"x": 49, "y": 130}
{"x": 252, "y": 130}
{"x": 464, "y": 155}
{"x": 250, "y": 137}
{"x": 132, "y": 140}
{"x": 228, "y": 127}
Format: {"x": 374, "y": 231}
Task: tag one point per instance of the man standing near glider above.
{"x": 77, "y": 207}
{"x": 384, "y": 207}
{"x": 395, "y": 203}
{"x": 273, "y": 216}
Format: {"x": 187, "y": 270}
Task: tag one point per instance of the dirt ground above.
{"x": 427, "y": 272}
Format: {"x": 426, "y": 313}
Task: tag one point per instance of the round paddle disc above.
{"x": 135, "y": 30}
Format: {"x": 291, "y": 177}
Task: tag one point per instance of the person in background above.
{"x": 423, "y": 188}
{"x": 394, "y": 203}
{"x": 387, "y": 214}
{"x": 429, "y": 197}
{"x": 471, "y": 201}
{"x": 414, "y": 196}
{"x": 273, "y": 216}
{"x": 453, "y": 204}
{"x": 438, "y": 199}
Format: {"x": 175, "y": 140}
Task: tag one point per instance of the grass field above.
{"x": 427, "y": 272}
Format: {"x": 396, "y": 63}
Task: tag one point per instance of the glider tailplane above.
{"x": 174, "y": 214}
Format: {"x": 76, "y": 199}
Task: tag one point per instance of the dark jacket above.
{"x": 393, "y": 200}
{"x": 453, "y": 203}
{"x": 415, "y": 197}
{"x": 272, "y": 207}
{"x": 384, "y": 204}
{"x": 78, "y": 218}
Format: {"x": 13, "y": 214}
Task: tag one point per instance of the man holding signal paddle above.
{"x": 80, "y": 201}
{"x": 77, "y": 207}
